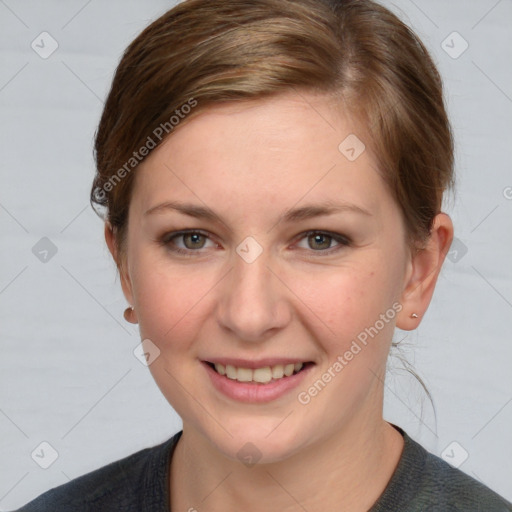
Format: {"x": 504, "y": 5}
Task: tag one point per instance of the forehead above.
{"x": 269, "y": 152}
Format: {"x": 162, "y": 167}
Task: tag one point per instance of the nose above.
{"x": 253, "y": 303}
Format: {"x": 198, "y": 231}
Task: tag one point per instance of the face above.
{"x": 292, "y": 253}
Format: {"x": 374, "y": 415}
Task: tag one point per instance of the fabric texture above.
{"x": 421, "y": 482}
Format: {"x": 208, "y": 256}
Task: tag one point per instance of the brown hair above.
{"x": 203, "y": 52}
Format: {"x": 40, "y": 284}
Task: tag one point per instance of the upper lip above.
{"x": 254, "y": 363}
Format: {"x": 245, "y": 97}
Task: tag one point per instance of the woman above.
{"x": 272, "y": 175}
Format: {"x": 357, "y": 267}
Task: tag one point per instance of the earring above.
{"x": 414, "y": 315}
{"x": 128, "y": 312}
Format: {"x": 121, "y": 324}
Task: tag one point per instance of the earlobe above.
{"x": 423, "y": 271}
{"x": 129, "y": 315}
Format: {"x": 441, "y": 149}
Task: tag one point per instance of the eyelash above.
{"x": 343, "y": 241}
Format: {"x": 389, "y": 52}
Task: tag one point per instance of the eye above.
{"x": 321, "y": 241}
{"x": 189, "y": 242}
{"x": 186, "y": 242}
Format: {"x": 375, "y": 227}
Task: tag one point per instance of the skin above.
{"x": 250, "y": 162}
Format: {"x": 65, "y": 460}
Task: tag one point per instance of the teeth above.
{"x": 231, "y": 372}
{"x": 288, "y": 369}
{"x": 243, "y": 375}
{"x": 262, "y": 375}
{"x": 278, "y": 371}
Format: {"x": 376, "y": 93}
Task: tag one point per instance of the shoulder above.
{"x": 457, "y": 489}
{"x": 424, "y": 482}
{"x": 126, "y": 484}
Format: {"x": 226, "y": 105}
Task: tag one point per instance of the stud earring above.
{"x": 414, "y": 315}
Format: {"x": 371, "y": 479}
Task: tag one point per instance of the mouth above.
{"x": 265, "y": 374}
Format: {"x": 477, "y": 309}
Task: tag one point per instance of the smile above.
{"x": 264, "y": 381}
{"x": 262, "y": 375}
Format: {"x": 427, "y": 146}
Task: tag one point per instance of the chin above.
{"x": 256, "y": 442}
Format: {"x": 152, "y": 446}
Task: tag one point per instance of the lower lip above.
{"x": 251, "y": 392}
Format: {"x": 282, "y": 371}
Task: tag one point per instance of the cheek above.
{"x": 345, "y": 308}
{"x": 345, "y": 301}
{"x": 171, "y": 305}
{"x": 170, "y": 300}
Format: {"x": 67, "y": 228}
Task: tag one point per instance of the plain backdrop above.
{"x": 68, "y": 374}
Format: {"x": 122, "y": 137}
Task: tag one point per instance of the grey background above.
{"x": 68, "y": 375}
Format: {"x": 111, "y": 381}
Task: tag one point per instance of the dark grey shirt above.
{"x": 422, "y": 482}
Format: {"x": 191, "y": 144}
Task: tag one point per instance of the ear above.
{"x": 423, "y": 271}
{"x": 126, "y": 285}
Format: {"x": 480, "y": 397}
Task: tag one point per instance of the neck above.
{"x": 347, "y": 472}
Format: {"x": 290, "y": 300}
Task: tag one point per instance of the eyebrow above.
{"x": 291, "y": 215}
